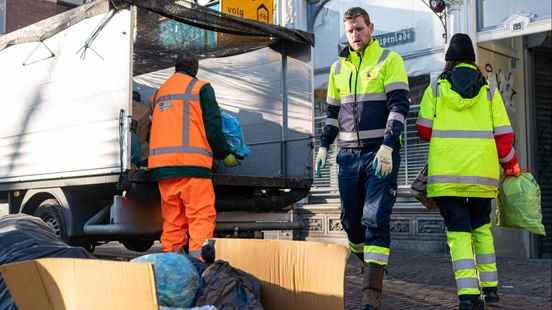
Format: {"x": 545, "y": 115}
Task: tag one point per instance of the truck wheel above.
{"x": 138, "y": 245}
{"x": 50, "y": 212}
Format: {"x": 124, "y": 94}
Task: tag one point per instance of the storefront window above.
{"x": 493, "y": 13}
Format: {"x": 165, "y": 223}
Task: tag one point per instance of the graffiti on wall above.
{"x": 504, "y": 82}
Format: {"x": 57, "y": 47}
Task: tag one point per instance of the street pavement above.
{"x": 424, "y": 281}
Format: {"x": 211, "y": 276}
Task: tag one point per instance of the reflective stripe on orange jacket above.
{"x": 178, "y": 135}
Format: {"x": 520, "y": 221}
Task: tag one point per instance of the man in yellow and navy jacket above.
{"x": 186, "y": 135}
{"x": 367, "y": 104}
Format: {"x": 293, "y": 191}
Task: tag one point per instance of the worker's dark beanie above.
{"x": 186, "y": 63}
{"x": 460, "y": 48}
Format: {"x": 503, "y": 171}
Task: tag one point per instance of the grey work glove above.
{"x": 321, "y": 159}
{"x": 383, "y": 161}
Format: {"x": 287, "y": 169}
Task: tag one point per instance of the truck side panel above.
{"x": 61, "y": 102}
{"x": 250, "y": 86}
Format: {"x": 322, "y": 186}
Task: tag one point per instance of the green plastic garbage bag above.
{"x": 519, "y": 204}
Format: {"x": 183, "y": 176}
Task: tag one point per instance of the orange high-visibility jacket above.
{"x": 177, "y": 136}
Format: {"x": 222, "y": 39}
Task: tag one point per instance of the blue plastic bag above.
{"x": 176, "y": 279}
{"x": 234, "y": 134}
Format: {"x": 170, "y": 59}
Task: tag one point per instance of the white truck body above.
{"x": 59, "y": 115}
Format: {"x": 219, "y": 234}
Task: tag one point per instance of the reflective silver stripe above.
{"x": 486, "y": 259}
{"x": 396, "y": 116}
{"x": 337, "y": 67}
{"x": 332, "y": 122}
{"x": 508, "y": 157}
{"x": 383, "y": 56}
{"x": 435, "y": 88}
{"x": 503, "y": 130}
{"x": 490, "y": 94}
{"x": 363, "y": 134}
{"x": 396, "y": 86}
{"x": 364, "y": 97}
{"x": 176, "y": 97}
{"x": 377, "y": 257}
{"x": 186, "y": 114}
{"x": 488, "y": 276}
{"x": 463, "y": 264}
{"x": 467, "y": 283}
{"x": 424, "y": 122}
{"x": 186, "y": 124}
{"x": 476, "y": 134}
{"x": 179, "y": 149}
{"x": 332, "y": 101}
{"x": 462, "y": 180}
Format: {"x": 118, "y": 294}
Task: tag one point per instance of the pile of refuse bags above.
{"x": 24, "y": 237}
{"x": 182, "y": 282}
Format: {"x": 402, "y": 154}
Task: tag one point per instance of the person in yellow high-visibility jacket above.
{"x": 470, "y": 135}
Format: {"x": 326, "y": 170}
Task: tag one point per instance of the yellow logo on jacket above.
{"x": 371, "y": 75}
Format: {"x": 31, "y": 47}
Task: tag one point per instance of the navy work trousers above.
{"x": 366, "y": 199}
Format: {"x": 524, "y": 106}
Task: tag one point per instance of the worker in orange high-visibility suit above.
{"x": 186, "y": 135}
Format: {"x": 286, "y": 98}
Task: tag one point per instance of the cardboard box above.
{"x": 295, "y": 275}
{"x": 65, "y": 283}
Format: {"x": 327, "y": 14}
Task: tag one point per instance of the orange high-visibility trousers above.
{"x": 188, "y": 208}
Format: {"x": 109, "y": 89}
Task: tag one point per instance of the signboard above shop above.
{"x": 259, "y": 10}
{"x": 394, "y": 38}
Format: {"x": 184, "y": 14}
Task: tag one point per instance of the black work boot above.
{"x": 491, "y": 295}
{"x": 372, "y": 286}
{"x": 473, "y": 303}
{"x": 208, "y": 252}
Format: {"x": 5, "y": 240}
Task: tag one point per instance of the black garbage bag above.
{"x": 228, "y": 288}
{"x": 24, "y": 237}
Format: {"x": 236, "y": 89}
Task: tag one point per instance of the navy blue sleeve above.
{"x": 398, "y": 106}
{"x": 330, "y": 130}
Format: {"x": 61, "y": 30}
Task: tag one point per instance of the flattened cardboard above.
{"x": 84, "y": 284}
{"x": 295, "y": 275}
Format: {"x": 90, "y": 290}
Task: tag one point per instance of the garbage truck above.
{"x": 72, "y": 86}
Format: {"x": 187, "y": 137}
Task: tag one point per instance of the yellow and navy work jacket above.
{"x": 469, "y": 132}
{"x": 367, "y": 98}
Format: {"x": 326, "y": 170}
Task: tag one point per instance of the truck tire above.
{"x": 50, "y": 212}
{"x": 138, "y": 245}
